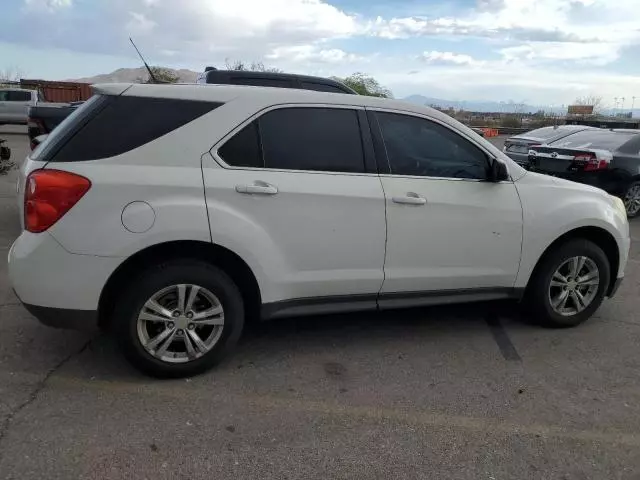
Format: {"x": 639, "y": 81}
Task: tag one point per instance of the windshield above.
{"x": 598, "y": 139}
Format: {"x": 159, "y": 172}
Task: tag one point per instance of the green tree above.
{"x": 365, "y": 85}
{"x": 164, "y": 75}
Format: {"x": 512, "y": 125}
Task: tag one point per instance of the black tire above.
{"x": 632, "y": 185}
{"x": 154, "y": 279}
{"x": 537, "y": 301}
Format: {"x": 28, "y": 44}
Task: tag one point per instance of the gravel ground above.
{"x": 467, "y": 392}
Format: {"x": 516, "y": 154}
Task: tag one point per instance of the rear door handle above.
{"x": 410, "y": 198}
{"x": 257, "y": 188}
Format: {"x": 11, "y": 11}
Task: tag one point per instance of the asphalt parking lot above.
{"x": 470, "y": 392}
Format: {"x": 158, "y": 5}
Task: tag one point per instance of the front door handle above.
{"x": 410, "y": 198}
{"x": 257, "y": 188}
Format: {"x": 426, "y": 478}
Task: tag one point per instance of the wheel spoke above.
{"x": 561, "y": 300}
{"x": 573, "y": 267}
{"x": 154, "y": 342}
{"x": 580, "y": 265}
{"x": 182, "y": 289}
{"x": 150, "y": 317}
{"x": 192, "y": 297}
{"x": 590, "y": 278}
{"x": 556, "y": 283}
{"x": 165, "y": 346}
{"x": 205, "y": 318}
{"x": 559, "y": 277}
{"x": 159, "y": 309}
{"x": 578, "y": 300}
{"x": 190, "y": 350}
{"x": 197, "y": 340}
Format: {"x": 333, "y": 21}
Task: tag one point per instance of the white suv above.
{"x": 172, "y": 212}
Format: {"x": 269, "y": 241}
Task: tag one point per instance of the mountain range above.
{"x": 189, "y": 76}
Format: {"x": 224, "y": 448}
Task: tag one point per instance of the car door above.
{"x": 449, "y": 229}
{"x": 293, "y": 189}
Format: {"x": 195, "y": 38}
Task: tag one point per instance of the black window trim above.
{"x": 381, "y": 153}
{"x": 369, "y": 161}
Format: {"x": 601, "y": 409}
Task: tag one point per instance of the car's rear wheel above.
{"x": 569, "y": 285}
{"x": 179, "y": 318}
{"x": 631, "y": 199}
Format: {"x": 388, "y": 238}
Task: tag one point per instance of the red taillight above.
{"x": 49, "y": 194}
{"x": 591, "y": 162}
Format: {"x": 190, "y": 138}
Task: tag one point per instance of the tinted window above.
{"x": 4, "y": 95}
{"x": 322, "y": 139}
{"x": 321, "y": 87}
{"x": 243, "y": 149}
{"x": 419, "y": 147}
{"x": 18, "y": 96}
{"x": 124, "y": 123}
{"x": 261, "y": 82}
{"x": 604, "y": 139}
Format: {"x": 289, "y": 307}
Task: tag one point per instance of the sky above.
{"x": 540, "y": 52}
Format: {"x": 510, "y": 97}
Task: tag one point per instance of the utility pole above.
{"x": 615, "y": 105}
{"x": 622, "y": 108}
{"x": 633, "y": 102}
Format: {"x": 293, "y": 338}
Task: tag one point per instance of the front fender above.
{"x": 553, "y": 208}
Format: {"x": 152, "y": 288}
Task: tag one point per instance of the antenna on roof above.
{"x": 151, "y": 75}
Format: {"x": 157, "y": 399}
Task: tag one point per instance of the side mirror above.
{"x": 498, "y": 171}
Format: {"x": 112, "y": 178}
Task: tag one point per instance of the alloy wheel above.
{"x": 632, "y": 200}
{"x": 180, "y": 323}
{"x": 574, "y": 285}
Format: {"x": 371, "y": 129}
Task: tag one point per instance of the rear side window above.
{"x": 261, "y": 82}
{"x": 18, "y": 96}
{"x": 124, "y": 123}
{"x": 317, "y": 139}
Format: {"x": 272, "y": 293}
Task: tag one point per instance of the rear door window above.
{"x": 320, "y": 139}
{"x": 316, "y": 139}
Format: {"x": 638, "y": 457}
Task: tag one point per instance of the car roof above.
{"x": 271, "y": 95}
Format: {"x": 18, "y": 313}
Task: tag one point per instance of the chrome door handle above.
{"x": 410, "y": 199}
{"x": 257, "y": 188}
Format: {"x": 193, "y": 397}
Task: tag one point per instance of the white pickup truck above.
{"x": 15, "y": 103}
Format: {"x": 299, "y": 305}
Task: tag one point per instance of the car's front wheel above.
{"x": 179, "y": 318}
{"x": 569, "y": 285}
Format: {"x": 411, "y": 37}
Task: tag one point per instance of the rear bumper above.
{"x": 85, "y": 320}
{"x": 60, "y": 288}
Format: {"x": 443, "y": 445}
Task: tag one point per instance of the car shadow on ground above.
{"x": 267, "y": 342}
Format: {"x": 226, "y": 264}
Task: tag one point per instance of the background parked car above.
{"x": 517, "y": 147}
{"x": 14, "y": 105}
{"x": 608, "y": 159}
{"x": 44, "y": 117}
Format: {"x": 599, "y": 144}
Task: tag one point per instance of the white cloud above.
{"x": 49, "y": 5}
{"x": 449, "y": 58}
{"x": 311, "y": 53}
